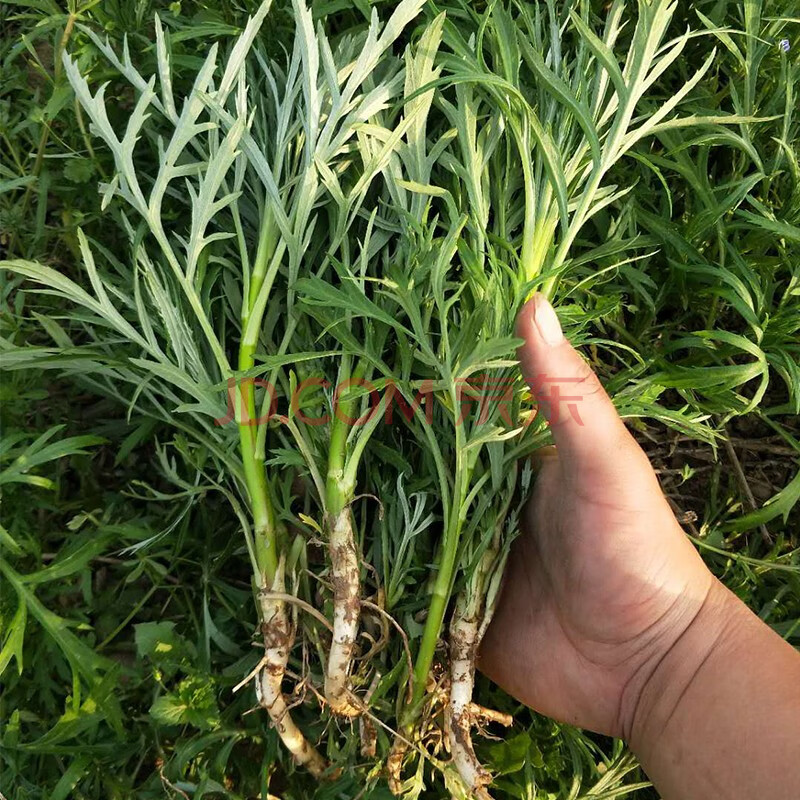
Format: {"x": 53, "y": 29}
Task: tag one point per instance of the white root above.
{"x": 278, "y": 638}
{"x": 471, "y": 617}
{"x": 463, "y": 647}
{"x": 346, "y": 611}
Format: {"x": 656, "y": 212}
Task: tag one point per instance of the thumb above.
{"x": 584, "y": 423}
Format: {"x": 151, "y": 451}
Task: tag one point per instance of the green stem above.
{"x": 255, "y": 479}
{"x": 338, "y": 490}
{"x": 529, "y": 268}
{"x": 436, "y": 611}
{"x": 264, "y": 251}
{"x": 264, "y": 533}
{"x": 443, "y": 585}
{"x": 539, "y": 225}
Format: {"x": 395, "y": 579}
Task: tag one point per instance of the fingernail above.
{"x": 546, "y": 321}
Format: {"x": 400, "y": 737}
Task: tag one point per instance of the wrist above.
{"x": 719, "y": 716}
{"x": 677, "y": 677}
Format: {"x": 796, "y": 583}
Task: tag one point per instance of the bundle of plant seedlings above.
{"x": 319, "y": 299}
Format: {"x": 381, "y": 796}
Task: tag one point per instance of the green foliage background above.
{"x": 118, "y": 662}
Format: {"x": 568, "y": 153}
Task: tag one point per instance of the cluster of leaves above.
{"x": 697, "y": 331}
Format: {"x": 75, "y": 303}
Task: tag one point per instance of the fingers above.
{"x": 584, "y": 423}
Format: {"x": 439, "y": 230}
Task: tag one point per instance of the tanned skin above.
{"x": 609, "y": 619}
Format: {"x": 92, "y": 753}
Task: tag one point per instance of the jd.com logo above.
{"x": 483, "y": 395}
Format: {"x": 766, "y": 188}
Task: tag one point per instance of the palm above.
{"x": 600, "y": 581}
{"x": 584, "y": 589}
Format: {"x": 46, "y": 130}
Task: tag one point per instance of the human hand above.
{"x": 609, "y": 619}
{"x": 602, "y": 581}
